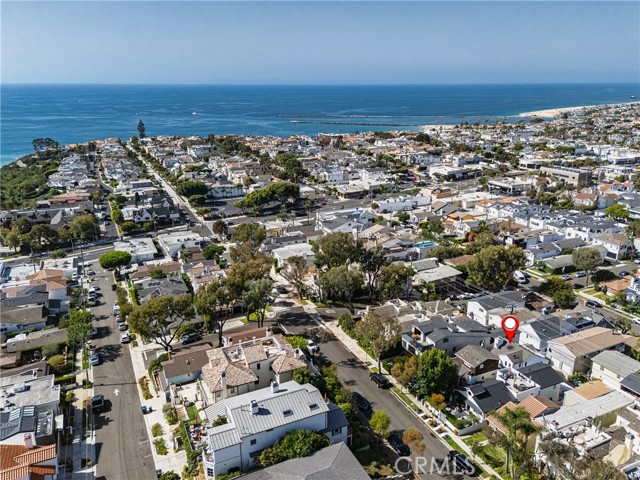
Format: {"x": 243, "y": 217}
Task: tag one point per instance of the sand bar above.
{"x": 556, "y": 112}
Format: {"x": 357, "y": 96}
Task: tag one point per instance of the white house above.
{"x": 612, "y": 367}
{"x": 173, "y": 242}
{"x": 256, "y": 420}
{"x": 140, "y": 249}
{"x": 303, "y": 250}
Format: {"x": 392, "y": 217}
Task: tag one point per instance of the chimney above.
{"x": 628, "y": 442}
{"x": 254, "y": 407}
{"x": 223, "y": 385}
{"x": 28, "y": 441}
{"x": 274, "y": 387}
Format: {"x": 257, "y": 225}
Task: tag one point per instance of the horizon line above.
{"x": 37, "y": 84}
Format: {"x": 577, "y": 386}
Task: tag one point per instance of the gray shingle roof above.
{"x": 617, "y": 362}
{"x": 335, "y": 462}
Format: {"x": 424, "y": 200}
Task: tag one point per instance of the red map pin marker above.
{"x": 510, "y": 325}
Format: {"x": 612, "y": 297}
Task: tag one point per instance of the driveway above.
{"x": 122, "y": 445}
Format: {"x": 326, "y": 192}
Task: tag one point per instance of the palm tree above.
{"x": 632, "y": 231}
{"x": 517, "y": 429}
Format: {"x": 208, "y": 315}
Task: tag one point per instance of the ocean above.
{"x": 79, "y": 113}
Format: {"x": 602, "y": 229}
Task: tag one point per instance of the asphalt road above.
{"x": 355, "y": 376}
{"x": 122, "y": 445}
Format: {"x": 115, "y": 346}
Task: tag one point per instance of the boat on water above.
{"x": 194, "y": 113}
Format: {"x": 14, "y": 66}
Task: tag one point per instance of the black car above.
{"x": 113, "y": 287}
{"x": 281, "y": 289}
{"x": 190, "y": 338}
{"x": 97, "y": 403}
{"x": 593, "y": 303}
{"x": 398, "y": 445}
{"x": 461, "y": 464}
{"x": 362, "y": 403}
{"x": 379, "y": 380}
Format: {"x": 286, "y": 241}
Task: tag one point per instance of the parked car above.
{"x": 362, "y": 403}
{"x": 97, "y": 403}
{"x": 593, "y": 303}
{"x": 579, "y": 275}
{"x": 94, "y": 359}
{"x": 312, "y": 346}
{"x": 146, "y": 409}
{"x": 637, "y": 261}
{"x": 462, "y": 463}
{"x": 281, "y": 289}
{"x": 636, "y": 320}
{"x": 398, "y": 445}
{"x": 124, "y": 338}
{"x": 624, "y": 273}
{"x": 189, "y": 338}
{"x": 122, "y": 326}
{"x": 113, "y": 287}
{"x": 565, "y": 277}
{"x": 379, "y": 380}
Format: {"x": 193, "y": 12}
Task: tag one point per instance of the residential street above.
{"x": 355, "y": 376}
{"x": 122, "y": 445}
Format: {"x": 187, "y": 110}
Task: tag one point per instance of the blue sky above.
{"x": 320, "y": 42}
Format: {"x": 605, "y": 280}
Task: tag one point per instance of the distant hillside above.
{"x": 25, "y": 181}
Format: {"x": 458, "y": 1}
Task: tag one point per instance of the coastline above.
{"x": 557, "y": 112}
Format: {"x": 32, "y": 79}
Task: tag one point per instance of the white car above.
{"x": 124, "y": 338}
{"x": 636, "y": 320}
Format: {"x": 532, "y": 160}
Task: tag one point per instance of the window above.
{"x": 337, "y": 431}
{"x": 258, "y": 366}
{"x": 210, "y": 472}
{"x": 313, "y": 406}
{"x": 256, "y": 382}
{"x": 287, "y": 413}
{"x": 232, "y": 389}
{"x": 253, "y": 442}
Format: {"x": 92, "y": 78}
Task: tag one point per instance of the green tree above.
{"x": 58, "y": 364}
{"x": 253, "y": 233}
{"x": 403, "y": 216}
{"x": 337, "y": 249}
{"x": 114, "y": 260}
{"x": 587, "y": 259}
{"x": 159, "y": 320}
{"x": 341, "y": 283}
{"x": 129, "y": 227}
{"x": 257, "y": 296}
{"x": 213, "y": 302}
{"x": 213, "y": 252}
{"x": 380, "y": 422}
{"x": 493, "y": 267}
{"x": 433, "y": 229}
{"x": 295, "y": 270}
{"x": 480, "y": 240}
{"x": 372, "y": 262}
{"x": 170, "y": 475}
{"x": 83, "y": 227}
{"x": 59, "y": 253}
{"x": 443, "y": 252}
{"x": 395, "y": 281}
{"x": 633, "y": 231}
{"x": 296, "y": 444}
{"x": 79, "y": 328}
{"x": 436, "y": 373}
{"x": 117, "y": 216}
{"x": 220, "y": 228}
{"x": 275, "y": 192}
{"x": 157, "y": 273}
{"x": 142, "y": 131}
{"x": 379, "y": 331}
{"x": 11, "y": 237}
{"x": 562, "y": 292}
{"x": 41, "y": 144}
{"x": 197, "y": 200}
{"x": 189, "y": 188}
{"x": 41, "y": 236}
{"x": 617, "y": 212}
{"x": 347, "y": 323}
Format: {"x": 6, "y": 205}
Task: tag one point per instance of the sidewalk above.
{"x": 172, "y": 461}
{"x": 83, "y": 453}
{"x": 360, "y": 354}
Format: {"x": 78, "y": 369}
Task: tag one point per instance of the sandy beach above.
{"x": 556, "y": 112}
